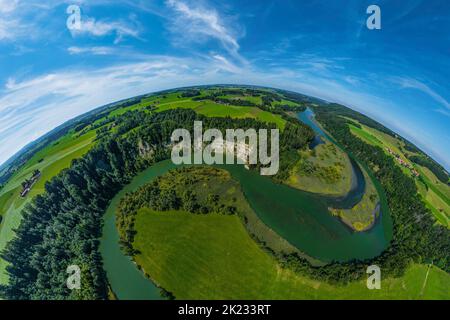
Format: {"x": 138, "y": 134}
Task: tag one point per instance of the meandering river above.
{"x": 300, "y": 217}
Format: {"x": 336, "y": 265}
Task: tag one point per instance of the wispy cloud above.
{"x": 96, "y": 50}
{"x": 31, "y": 107}
{"x": 8, "y": 5}
{"x": 98, "y": 28}
{"x": 410, "y": 83}
{"x": 315, "y": 63}
{"x": 11, "y": 27}
{"x": 226, "y": 65}
{"x": 445, "y": 112}
{"x": 30, "y": 20}
{"x": 196, "y": 23}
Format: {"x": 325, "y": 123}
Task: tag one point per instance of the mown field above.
{"x": 212, "y": 257}
{"x": 211, "y": 109}
{"x": 50, "y": 161}
{"x": 434, "y": 193}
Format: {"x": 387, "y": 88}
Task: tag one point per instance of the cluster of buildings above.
{"x": 403, "y": 162}
{"x": 28, "y": 184}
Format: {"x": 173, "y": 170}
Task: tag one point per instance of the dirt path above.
{"x": 425, "y": 281}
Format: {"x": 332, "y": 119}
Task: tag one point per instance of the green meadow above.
{"x": 212, "y": 109}
{"x": 50, "y": 161}
{"x": 213, "y": 257}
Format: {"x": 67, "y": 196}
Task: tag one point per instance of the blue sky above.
{"x": 398, "y": 75}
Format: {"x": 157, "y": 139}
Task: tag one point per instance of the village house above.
{"x": 28, "y": 184}
{"x": 403, "y": 162}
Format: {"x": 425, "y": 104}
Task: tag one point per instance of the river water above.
{"x": 299, "y": 217}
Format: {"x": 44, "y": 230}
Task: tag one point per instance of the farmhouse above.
{"x": 403, "y": 162}
{"x": 28, "y": 184}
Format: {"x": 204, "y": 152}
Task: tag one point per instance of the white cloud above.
{"x": 102, "y": 28}
{"x": 8, "y": 29}
{"x": 97, "y": 50}
{"x": 415, "y": 84}
{"x": 226, "y": 65}
{"x": 318, "y": 64}
{"x": 198, "y": 23}
{"x": 32, "y": 107}
{"x": 7, "y": 6}
{"x": 29, "y": 20}
{"x": 351, "y": 80}
{"x": 443, "y": 111}
{"x": 10, "y": 26}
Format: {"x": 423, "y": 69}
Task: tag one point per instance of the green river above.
{"x": 300, "y": 217}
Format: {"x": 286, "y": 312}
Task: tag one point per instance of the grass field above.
{"x": 254, "y": 99}
{"x": 362, "y": 216}
{"x": 325, "y": 170}
{"x": 208, "y": 108}
{"x": 212, "y": 109}
{"x": 212, "y": 257}
{"x": 50, "y": 161}
{"x": 284, "y": 102}
{"x": 434, "y": 193}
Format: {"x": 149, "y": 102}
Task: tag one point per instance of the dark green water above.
{"x": 127, "y": 282}
{"x": 301, "y": 218}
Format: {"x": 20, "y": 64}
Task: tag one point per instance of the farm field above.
{"x": 211, "y": 256}
{"x": 253, "y": 99}
{"x": 50, "y": 161}
{"x": 207, "y": 107}
{"x": 434, "y": 193}
{"x": 211, "y": 109}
